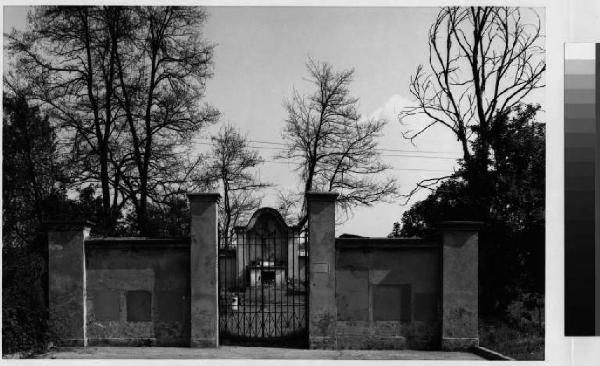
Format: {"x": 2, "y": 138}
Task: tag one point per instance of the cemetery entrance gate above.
{"x": 263, "y": 283}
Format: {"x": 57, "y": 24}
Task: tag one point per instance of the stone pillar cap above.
{"x": 461, "y": 225}
{"x": 204, "y": 196}
{"x": 321, "y": 196}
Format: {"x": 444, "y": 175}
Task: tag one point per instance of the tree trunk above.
{"x": 227, "y": 224}
{"x": 142, "y": 207}
{"x": 105, "y": 182}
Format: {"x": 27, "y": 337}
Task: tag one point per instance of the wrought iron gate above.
{"x": 263, "y": 287}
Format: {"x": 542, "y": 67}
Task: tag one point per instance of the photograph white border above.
{"x": 558, "y": 14}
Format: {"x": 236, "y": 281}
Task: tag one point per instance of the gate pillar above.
{"x": 66, "y": 281}
{"x": 460, "y": 316}
{"x": 322, "y": 314}
{"x": 204, "y": 312}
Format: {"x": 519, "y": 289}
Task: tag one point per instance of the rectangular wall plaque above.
{"x": 320, "y": 268}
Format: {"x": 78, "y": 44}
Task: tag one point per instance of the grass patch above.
{"x": 521, "y": 342}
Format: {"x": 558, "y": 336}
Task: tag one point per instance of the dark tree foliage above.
{"x": 28, "y": 189}
{"x": 125, "y": 86}
{"x": 34, "y": 190}
{"x": 31, "y": 177}
{"x": 512, "y": 240}
{"x": 67, "y": 62}
{"x": 171, "y": 219}
{"x": 449, "y": 200}
{"x": 396, "y": 231}
{"x": 24, "y": 312}
{"x": 483, "y": 62}
{"x": 31, "y": 192}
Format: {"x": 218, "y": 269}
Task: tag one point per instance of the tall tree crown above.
{"x": 334, "y": 145}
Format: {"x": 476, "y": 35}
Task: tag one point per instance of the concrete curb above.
{"x": 488, "y": 354}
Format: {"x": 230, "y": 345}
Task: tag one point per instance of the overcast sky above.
{"x": 260, "y": 57}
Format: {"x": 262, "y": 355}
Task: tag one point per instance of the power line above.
{"x": 377, "y": 149}
{"x": 268, "y": 142}
{"x": 385, "y": 155}
{"x": 392, "y": 168}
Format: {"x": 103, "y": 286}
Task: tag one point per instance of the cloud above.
{"x": 430, "y": 155}
{"x": 437, "y": 138}
{"x": 391, "y": 108}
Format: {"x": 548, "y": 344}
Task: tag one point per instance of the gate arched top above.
{"x": 263, "y": 216}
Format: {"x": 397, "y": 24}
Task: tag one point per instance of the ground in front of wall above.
{"x": 521, "y": 342}
{"x": 227, "y": 352}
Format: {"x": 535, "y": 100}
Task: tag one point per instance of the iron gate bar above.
{"x": 263, "y": 288}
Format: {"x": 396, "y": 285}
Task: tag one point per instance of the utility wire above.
{"x": 377, "y": 149}
{"x": 392, "y": 168}
{"x": 386, "y": 155}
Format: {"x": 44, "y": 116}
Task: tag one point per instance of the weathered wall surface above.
{"x": 322, "y": 310}
{"x": 66, "y": 284}
{"x": 460, "y": 315}
{"x": 204, "y": 261}
{"x": 138, "y": 292}
{"x": 387, "y": 293}
{"x": 364, "y": 293}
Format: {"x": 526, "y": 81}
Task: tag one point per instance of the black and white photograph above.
{"x": 274, "y": 182}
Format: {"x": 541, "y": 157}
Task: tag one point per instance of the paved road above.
{"x": 226, "y": 352}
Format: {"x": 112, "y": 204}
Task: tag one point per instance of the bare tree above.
{"x": 289, "y": 205}
{"x": 67, "y": 62}
{"x": 230, "y": 166}
{"x": 335, "y": 146}
{"x": 483, "y": 62}
{"x": 162, "y": 65}
{"x": 126, "y": 84}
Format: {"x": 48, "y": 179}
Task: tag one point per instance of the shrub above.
{"x": 24, "y": 311}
